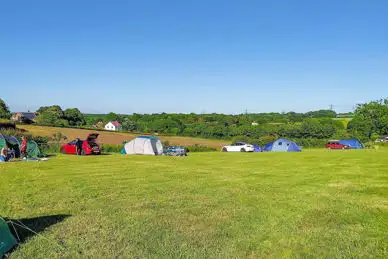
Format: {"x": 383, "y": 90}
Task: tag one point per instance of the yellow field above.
{"x": 107, "y": 137}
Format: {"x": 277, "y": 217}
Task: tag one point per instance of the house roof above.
{"x": 27, "y": 115}
{"x": 115, "y": 123}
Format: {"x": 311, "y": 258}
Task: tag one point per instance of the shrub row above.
{"x": 110, "y": 148}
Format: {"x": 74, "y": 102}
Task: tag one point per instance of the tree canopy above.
{"x": 4, "y": 110}
{"x": 55, "y": 116}
{"x": 74, "y": 117}
{"x": 370, "y": 119}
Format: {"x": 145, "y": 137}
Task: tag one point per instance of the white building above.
{"x": 255, "y": 123}
{"x": 113, "y": 126}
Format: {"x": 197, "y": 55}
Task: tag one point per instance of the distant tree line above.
{"x": 369, "y": 121}
{"x": 256, "y": 127}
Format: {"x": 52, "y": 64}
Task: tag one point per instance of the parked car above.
{"x": 334, "y": 144}
{"x": 176, "y": 151}
{"x": 89, "y": 146}
{"x": 239, "y": 147}
{"x": 382, "y": 139}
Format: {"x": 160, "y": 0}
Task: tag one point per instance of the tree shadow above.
{"x": 23, "y": 229}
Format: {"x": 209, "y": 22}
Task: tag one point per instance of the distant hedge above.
{"x": 200, "y": 148}
{"x": 7, "y": 125}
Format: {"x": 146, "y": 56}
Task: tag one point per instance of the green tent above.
{"x": 7, "y": 240}
{"x": 33, "y": 149}
{"x": 11, "y": 142}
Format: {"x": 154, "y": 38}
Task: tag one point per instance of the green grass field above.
{"x": 318, "y": 203}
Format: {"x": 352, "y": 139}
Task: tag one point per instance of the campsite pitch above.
{"x": 316, "y": 203}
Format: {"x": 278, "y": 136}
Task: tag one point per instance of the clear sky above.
{"x": 193, "y": 55}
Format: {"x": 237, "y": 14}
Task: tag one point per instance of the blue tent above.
{"x": 352, "y": 143}
{"x": 257, "y": 148}
{"x": 282, "y": 145}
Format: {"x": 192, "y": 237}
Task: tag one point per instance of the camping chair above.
{"x": 11, "y": 155}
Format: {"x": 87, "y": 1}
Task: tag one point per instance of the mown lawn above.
{"x": 317, "y": 203}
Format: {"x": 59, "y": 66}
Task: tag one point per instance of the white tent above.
{"x": 144, "y": 145}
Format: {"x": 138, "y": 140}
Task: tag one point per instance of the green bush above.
{"x": 240, "y": 139}
{"x": 111, "y": 148}
{"x": 200, "y": 148}
{"x": 41, "y": 141}
{"x": 14, "y": 132}
{"x": 50, "y": 148}
{"x": 310, "y": 142}
{"x": 376, "y": 145}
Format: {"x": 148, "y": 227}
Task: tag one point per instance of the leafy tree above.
{"x": 113, "y": 117}
{"x": 74, "y": 117}
{"x": 47, "y": 118}
{"x": 55, "y": 109}
{"x": 51, "y": 116}
{"x": 370, "y": 119}
{"x": 129, "y": 125}
{"x": 4, "y": 110}
{"x": 240, "y": 139}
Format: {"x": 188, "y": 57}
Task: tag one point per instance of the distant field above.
{"x": 313, "y": 204}
{"x": 117, "y": 137}
{"x": 345, "y": 121}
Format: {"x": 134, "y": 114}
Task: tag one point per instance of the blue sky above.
{"x": 193, "y": 55}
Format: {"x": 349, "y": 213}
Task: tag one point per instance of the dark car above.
{"x": 334, "y": 144}
{"x": 176, "y": 151}
{"x": 89, "y": 146}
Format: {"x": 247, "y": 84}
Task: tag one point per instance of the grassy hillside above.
{"x": 345, "y": 121}
{"x": 315, "y": 204}
{"x": 117, "y": 137}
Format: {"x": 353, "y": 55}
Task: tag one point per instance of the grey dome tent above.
{"x": 144, "y": 145}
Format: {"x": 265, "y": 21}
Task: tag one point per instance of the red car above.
{"x": 334, "y": 144}
{"x": 89, "y": 146}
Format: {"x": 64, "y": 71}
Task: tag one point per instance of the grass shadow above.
{"x": 37, "y": 225}
{"x": 50, "y": 155}
{"x": 105, "y": 154}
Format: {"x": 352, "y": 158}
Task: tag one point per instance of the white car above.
{"x": 382, "y": 139}
{"x": 238, "y": 147}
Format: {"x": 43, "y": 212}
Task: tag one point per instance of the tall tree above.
{"x": 74, "y": 116}
{"x": 51, "y": 115}
{"x": 113, "y": 117}
{"x": 4, "y": 110}
{"x": 55, "y": 109}
{"x": 370, "y": 119}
